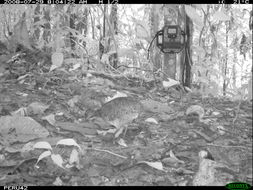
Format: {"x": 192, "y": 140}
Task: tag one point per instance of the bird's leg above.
{"x": 117, "y": 134}
{"x": 125, "y": 131}
{"x": 120, "y": 131}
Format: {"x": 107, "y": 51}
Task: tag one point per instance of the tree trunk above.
{"x": 36, "y": 34}
{"x": 114, "y": 23}
{"x": 169, "y": 65}
{"x": 188, "y": 53}
{"x": 46, "y": 33}
{"x": 154, "y": 20}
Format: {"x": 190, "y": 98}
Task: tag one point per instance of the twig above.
{"x": 107, "y": 151}
{"x": 226, "y": 146}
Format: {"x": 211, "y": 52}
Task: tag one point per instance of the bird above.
{"x": 120, "y": 112}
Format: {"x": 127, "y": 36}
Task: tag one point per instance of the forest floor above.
{"x": 160, "y": 148}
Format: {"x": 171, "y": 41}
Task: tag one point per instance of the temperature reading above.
{"x": 241, "y": 1}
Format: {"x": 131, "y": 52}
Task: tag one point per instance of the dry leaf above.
{"x": 57, "y": 159}
{"x": 68, "y": 142}
{"x": 42, "y": 145}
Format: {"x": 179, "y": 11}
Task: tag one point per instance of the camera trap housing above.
{"x": 171, "y": 39}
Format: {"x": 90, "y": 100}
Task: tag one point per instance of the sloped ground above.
{"x": 162, "y": 153}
